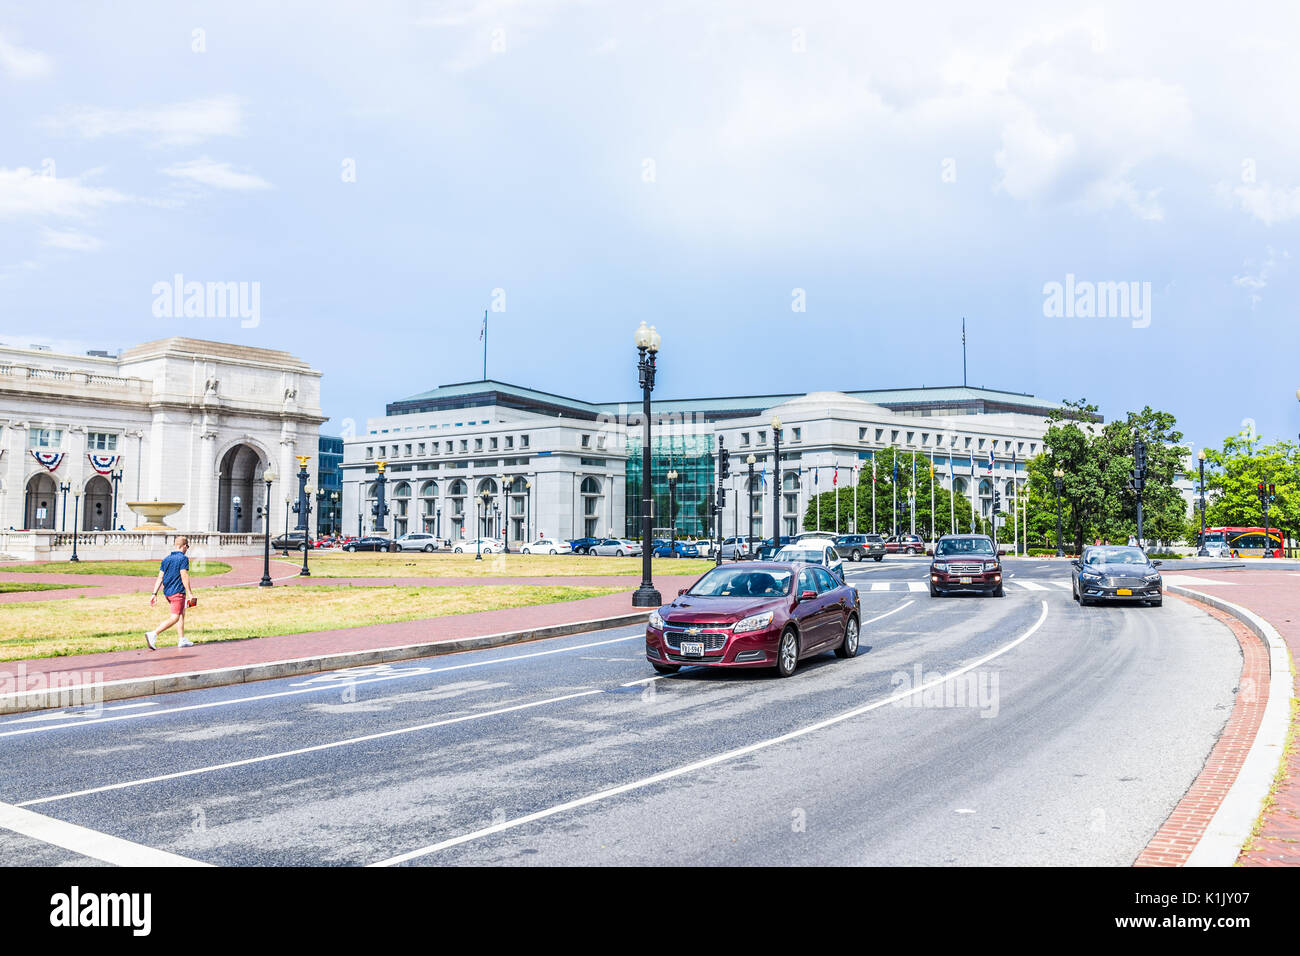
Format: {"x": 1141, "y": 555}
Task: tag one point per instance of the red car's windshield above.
{"x": 741, "y": 582}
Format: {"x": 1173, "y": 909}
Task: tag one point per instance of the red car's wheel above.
{"x": 787, "y": 653}
{"x": 849, "y": 646}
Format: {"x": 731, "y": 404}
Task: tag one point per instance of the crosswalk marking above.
{"x": 881, "y": 585}
{"x": 1031, "y": 586}
{"x": 1066, "y": 585}
{"x": 920, "y": 587}
{"x": 916, "y": 586}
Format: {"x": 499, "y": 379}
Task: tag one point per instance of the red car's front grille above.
{"x": 714, "y": 640}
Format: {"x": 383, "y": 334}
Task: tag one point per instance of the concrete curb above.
{"x": 19, "y": 702}
{"x": 1231, "y": 825}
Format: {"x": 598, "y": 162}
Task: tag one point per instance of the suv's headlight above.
{"x": 990, "y": 565}
{"x": 939, "y": 566}
{"x": 656, "y": 621}
{"x": 755, "y": 622}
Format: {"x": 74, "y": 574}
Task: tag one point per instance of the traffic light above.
{"x": 1139, "y": 472}
{"x": 724, "y": 463}
{"x": 997, "y": 502}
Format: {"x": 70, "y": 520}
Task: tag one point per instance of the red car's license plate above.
{"x": 692, "y": 648}
{"x": 963, "y": 580}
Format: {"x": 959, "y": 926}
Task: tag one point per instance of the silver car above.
{"x": 616, "y": 547}
{"x": 416, "y": 541}
{"x": 814, "y": 552}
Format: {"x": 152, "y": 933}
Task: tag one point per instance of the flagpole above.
{"x": 873, "y": 492}
{"x": 912, "y": 517}
{"x": 932, "y": 494}
{"x": 1015, "y": 499}
{"x": 855, "y": 499}
{"x": 952, "y": 496}
{"x": 817, "y": 475}
{"x": 835, "y": 484}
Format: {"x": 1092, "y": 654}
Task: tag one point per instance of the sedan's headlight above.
{"x": 755, "y": 622}
{"x": 1152, "y": 578}
{"x": 1090, "y": 574}
{"x": 656, "y": 621}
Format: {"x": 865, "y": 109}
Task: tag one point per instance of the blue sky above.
{"x": 609, "y": 163}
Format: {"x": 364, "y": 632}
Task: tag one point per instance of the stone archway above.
{"x": 239, "y": 473}
{"x": 41, "y": 502}
{"x": 97, "y": 505}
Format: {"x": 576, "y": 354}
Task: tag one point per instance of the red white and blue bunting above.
{"x": 103, "y": 464}
{"x": 50, "y": 459}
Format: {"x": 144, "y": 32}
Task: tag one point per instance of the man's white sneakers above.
{"x": 151, "y": 639}
{"x": 184, "y": 643}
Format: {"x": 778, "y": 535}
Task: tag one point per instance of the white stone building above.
{"x": 183, "y": 420}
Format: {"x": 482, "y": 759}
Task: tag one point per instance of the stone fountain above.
{"x": 153, "y": 513}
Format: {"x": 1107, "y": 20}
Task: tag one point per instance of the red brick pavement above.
{"x": 1174, "y": 842}
{"x": 168, "y": 659}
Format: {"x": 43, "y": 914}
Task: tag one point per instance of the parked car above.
{"x": 1116, "y": 573}
{"x": 583, "y": 545}
{"x": 547, "y": 546}
{"x": 755, "y": 615}
{"x": 965, "y": 562}
{"x": 370, "y": 543}
{"x": 813, "y": 552}
{"x": 733, "y": 548}
{"x": 766, "y": 550}
{"x": 293, "y": 541}
{"x": 859, "y": 547}
{"x": 905, "y": 544}
{"x": 416, "y": 541}
{"x": 617, "y": 547}
{"x": 484, "y": 545}
{"x": 679, "y": 549}
{"x": 705, "y": 546}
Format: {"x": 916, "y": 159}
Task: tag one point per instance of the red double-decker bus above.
{"x": 1246, "y": 542}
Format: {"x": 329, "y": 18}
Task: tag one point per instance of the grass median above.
{"x": 335, "y": 564}
{"x": 92, "y": 625}
{"x": 134, "y": 569}
{"x": 13, "y": 587}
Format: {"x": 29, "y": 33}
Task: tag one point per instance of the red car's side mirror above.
{"x": 807, "y": 595}
{"x": 681, "y": 591}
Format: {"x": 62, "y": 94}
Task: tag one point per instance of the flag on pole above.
{"x": 873, "y": 469}
{"x": 762, "y": 477}
{"x": 990, "y": 461}
{"x": 835, "y": 478}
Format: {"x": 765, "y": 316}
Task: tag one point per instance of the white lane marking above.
{"x": 75, "y": 714}
{"x": 309, "y": 690}
{"x": 1193, "y": 579}
{"x": 917, "y": 586}
{"x": 711, "y": 761}
{"x": 1031, "y": 586}
{"x": 873, "y": 620}
{"x": 1067, "y": 585}
{"x": 880, "y": 586}
{"x": 87, "y": 842}
{"x": 306, "y": 750}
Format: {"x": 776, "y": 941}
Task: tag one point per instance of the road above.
{"x": 1077, "y": 732}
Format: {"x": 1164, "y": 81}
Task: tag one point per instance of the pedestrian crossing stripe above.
{"x": 923, "y": 586}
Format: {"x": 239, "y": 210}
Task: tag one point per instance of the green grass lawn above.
{"x": 10, "y": 587}
{"x": 336, "y": 564}
{"x": 118, "y": 622}
{"x": 139, "y": 569}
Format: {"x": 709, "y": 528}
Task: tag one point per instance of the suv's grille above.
{"x": 713, "y": 640}
{"x": 966, "y": 568}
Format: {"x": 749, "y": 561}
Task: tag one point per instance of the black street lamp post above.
{"x": 303, "y": 509}
{"x": 76, "y": 509}
{"x": 116, "y": 477}
{"x": 380, "y": 508}
{"x": 528, "y": 510}
{"x": 1057, "y": 476}
{"x": 288, "y": 503}
{"x": 647, "y": 345}
{"x": 506, "y": 489}
{"x": 672, "y": 512}
{"x": 264, "y": 513}
{"x": 64, "y": 488}
{"x": 485, "y": 497}
{"x": 1200, "y": 544}
{"x": 776, "y": 485}
{"x": 306, "y": 538}
{"x": 749, "y": 493}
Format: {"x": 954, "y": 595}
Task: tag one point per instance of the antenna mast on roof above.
{"x": 963, "y": 351}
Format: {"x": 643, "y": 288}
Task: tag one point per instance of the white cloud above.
{"x": 1259, "y": 280}
{"x": 24, "y": 64}
{"x": 26, "y": 194}
{"x": 1268, "y": 203}
{"x": 69, "y": 239}
{"x": 178, "y": 124}
{"x": 217, "y": 175}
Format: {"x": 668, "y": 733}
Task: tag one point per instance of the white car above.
{"x": 547, "y": 546}
{"x": 813, "y": 552}
{"x": 484, "y": 545}
{"x": 416, "y": 541}
{"x": 618, "y": 547}
{"x": 706, "y": 546}
{"x": 735, "y": 547}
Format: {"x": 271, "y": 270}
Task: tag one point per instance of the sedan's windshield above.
{"x": 800, "y": 554}
{"x": 740, "y": 582}
{"x": 955, "y": 546}
{"x": 1116, "y": 556}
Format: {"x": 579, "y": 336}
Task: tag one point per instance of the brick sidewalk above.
{"x": 168, "y": 659}
{"x": 1274, "y": 596}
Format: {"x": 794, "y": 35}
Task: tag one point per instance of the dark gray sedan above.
{"x": 1105, "y": 574}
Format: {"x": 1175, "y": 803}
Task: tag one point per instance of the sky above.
{"x": 799, "y": 196}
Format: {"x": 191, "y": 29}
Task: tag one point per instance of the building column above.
{"x": 205, "y": 510}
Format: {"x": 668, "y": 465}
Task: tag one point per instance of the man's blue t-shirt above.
{"x": 172, "y": 566}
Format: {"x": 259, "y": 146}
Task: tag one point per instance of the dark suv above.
{"x": 905, "y": 544}
{"x": 859, "y": 547}
{"x": 966, "y": 562}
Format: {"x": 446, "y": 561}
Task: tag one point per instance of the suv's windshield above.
{"x": 957, "y": 546}
{"x": 739, "y": 582}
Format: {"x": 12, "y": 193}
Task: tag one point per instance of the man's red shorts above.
{"x": 177, "y": 601}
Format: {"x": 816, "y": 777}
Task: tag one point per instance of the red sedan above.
{"x": 757, "y": 614}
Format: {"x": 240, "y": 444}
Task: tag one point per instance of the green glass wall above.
{"x": 692, "y": 457}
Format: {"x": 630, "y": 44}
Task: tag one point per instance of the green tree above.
{"x": 1232, "y": 477}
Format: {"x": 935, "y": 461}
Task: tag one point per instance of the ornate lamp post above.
{"x": 528, "y": 510}
{"x": 485, "y": 496}
{"x": 306, "y": 538}
{"x": 647, "y": 346}
{"x": 303, "y": 507}
{"x": 64, "y": 488}
{"x": 776, "y": 484}
{"x": 749, "y": 493}
{"x": 116, "y": 477}
{"x": 505, "y": 496}
{"x": 335, "y": 514}
{"x": 1057, "y": 476}
{"x": 264, "y": 513}
{"x": 238, "y": 502}
{"x": 1200, "y": 461}
{"x": 288, "y": 503}
{"x": 672, "y": 512}
{"x": 379, "y": 508}
{"x": 76, "y": 502}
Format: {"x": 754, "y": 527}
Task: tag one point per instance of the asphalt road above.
{"x": 1066, "y": 737}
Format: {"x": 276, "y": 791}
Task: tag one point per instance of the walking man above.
{"x": 174, "y": 579}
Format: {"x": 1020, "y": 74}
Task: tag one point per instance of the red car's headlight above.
{"x": 755, "y": 622}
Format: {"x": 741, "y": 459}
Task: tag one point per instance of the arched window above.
{"x": 593, "y": 498}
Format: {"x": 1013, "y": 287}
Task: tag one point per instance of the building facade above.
{"x": 177, "y": 420}
{"x": 573, "y": 469}
{"x": 329, "y": 497}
